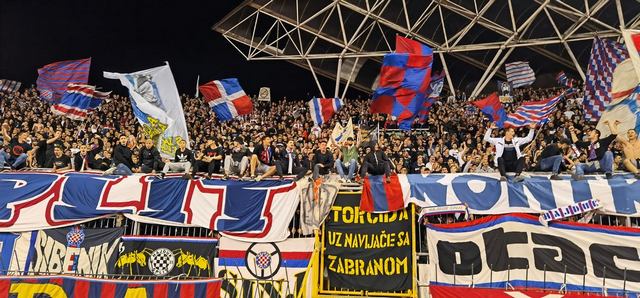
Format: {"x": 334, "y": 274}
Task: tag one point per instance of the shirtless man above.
{"x": 631, "y": 149}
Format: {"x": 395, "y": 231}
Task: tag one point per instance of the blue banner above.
{"x": 259, "y": 211}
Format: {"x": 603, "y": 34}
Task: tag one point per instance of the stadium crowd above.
{"x": 279, "y": 139}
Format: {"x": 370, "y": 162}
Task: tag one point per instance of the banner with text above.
{"x": 69, "y": 286}
{"x": 254, "y": 211}
{"x": 166, "y": 256}
{"x": 517, "y": 250}
{"x": 456, "y": 292}
{"x": 273, "y": 269}
{"x": 74, "y": 250}
{"x": 365, "y": 251}
{"x": 486, "y": 194}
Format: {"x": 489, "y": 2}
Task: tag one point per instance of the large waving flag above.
{"x": 433, "y": 94}
{"x": 404, "y": 79}
{"x": 632, "y": 41}
{"x": 626, "y": 111}
{"x": 605, "y": 57}
{"x": 534, "y": 111}
{"x": 156, "y": 104}
{"x": 492, "y": 107}
{"x": 322, "y": 109}
{"x": 227, "y": 99}
{"x": 53, "y": 78}
{"x": 520, "y": 74}
{"x": 624, "y": 81}
{"x": 78, "y": 101}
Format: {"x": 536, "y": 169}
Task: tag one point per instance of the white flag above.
{"x": 264, "y": 94}
{"x": 156, "y": 104}
{"x": 632, "y": 41}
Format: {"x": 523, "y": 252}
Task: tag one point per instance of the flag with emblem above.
{"x": 54, "y": 78}
{"x": 9, "y": 86}
{"x": 227, "y": 99}
{"x": 405, "y": 77}
{"x": 433, "y": 94}
{"x": 520, "y": 74}
{"x": 605, "y": 57}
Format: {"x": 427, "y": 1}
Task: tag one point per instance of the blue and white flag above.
{"x": 156, "y": 104}
{"x": 79, "y": 101}
{"x": 520, "y": 74}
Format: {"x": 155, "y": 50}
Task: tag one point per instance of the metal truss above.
{"x": 346, "y": 39}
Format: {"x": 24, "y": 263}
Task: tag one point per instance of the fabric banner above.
{"x": 69, "y": 286}
{"x": 166, "y": 256}
{"x": 517, "y": 250}
{"x": 16, "y": 252}
{"x": 273, "y": 269}
{"x": 264, "y": 94}
{"x": 256, "y": 211}
{"x": 486, "y": 194}
{"x": 316, "y": 200}
{"x": 455, "y": 292}
{"x": 364, "y": 251}
{"x": 156, "y": 104}
{"x": 74, "y": 250}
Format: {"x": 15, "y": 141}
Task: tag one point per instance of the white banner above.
{"x": 518, "y": 250}
{"x": 156, "y": 104}
{"x": 264, "y": 94}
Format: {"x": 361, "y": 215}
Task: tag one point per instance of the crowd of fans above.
{"x": 279, "y": 139}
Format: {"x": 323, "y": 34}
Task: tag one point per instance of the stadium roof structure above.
{"x": 472, "y": 39}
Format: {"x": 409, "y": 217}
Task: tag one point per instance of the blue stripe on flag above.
{"x": 376, "y": 186}
{"x": 317, "y": 109}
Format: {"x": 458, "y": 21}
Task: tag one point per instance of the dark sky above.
{"x": 127, "y": 36}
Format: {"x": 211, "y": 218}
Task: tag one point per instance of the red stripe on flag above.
{"x": 294, "y": 255}
{"x": 187, "y": 290}
{"x": 213, "y": 289}
{"x": 81, "y": 288}
{"x": 228, "y": 253}
{"x": 160, "y": 290}
{"x": 366, "y": 199}
{"x": 5, "y": 285}
{"x": 393, "y": 190}
{"x": 108, "y": 290}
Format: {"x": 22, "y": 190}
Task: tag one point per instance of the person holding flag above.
{"x": 508, "y": 157}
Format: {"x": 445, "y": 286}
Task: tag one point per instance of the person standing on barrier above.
{"x": 552, "y": 156}
{"x": 599, "y": 158}
{"x": 509, "y": 158}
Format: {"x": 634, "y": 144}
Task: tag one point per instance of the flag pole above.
{"x": 197, "y": 85}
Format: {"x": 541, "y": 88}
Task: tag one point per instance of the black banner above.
{"x": 166, "y": 256}
{"x": 367, "y": 251}
{"x": 76, "y": 250}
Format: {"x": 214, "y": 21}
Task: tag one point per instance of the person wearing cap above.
{"x": 599, "y": 158}
{"x": 552, "y": 156}
{"x": 347, "y": 158}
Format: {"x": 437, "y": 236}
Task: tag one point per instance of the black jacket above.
{"x": 150, "y": 157}
{"x": 376, "y": 158}
{"x": 323, "y": 158}
{"x": 601, "y": 146}
{"x": 122, "y": 155}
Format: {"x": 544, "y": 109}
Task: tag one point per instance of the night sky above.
{"x": 127, "y": 36}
